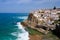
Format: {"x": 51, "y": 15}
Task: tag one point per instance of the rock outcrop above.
{"x": 43, "y": 20}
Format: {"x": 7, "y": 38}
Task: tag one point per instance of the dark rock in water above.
{"x": 23, "y": 23}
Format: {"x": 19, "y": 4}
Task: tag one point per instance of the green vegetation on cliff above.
{"x": 33, "y": 32}
{"x": 49, "y": 36}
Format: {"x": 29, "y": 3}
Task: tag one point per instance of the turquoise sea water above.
{"x": 7, "y": 25}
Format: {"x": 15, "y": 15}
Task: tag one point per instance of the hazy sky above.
{"x": 18, "y": 6}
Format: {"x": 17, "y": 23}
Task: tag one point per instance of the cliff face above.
{"x": 43, "y": 20}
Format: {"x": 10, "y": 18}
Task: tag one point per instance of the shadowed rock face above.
{"x": 30, "y": 16}
{"x": 41, "y": 26}
{"x": 57, "y": 31}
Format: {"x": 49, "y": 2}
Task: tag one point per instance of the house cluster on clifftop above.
{"x": 43, "y": 20}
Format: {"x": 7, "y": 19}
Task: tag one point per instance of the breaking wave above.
{"x": 24, "y": 35}
{"x": 21, "y": 17}
{"x": 24, "y": 17}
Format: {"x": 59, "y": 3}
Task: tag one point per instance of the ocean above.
{"x": 10, "y": 27}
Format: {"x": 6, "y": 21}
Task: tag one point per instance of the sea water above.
{"x": 11, "y": 28}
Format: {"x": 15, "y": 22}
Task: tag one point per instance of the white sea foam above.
{"x": 21, "y": 36}
{"x": 14, "y": 33}
{"x": 23, "y": 17}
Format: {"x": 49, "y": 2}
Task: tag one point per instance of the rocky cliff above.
{"x": 43, "y": 20}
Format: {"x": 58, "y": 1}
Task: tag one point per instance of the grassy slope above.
{"x": 49, "y": 36}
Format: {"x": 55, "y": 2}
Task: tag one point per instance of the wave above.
{"x": 23, "y": 17}
{"x": 21, "y": 36}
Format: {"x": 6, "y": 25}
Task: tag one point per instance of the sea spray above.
{"x": 21, "y": 36}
